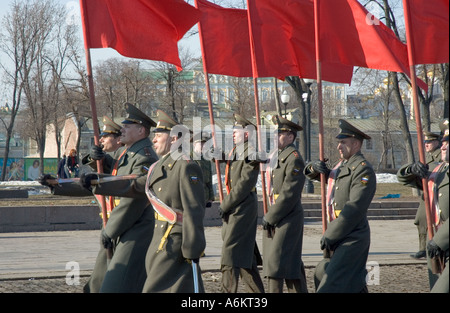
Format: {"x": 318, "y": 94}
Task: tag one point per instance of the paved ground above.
{"x": 40, "y": 261}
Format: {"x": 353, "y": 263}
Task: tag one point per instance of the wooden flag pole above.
{"x": 420, "y": 142}
{"x": 257, "y": 112}
{"x": 210, "y": 109}
{"x": 92, "y": 98}
{"x": 320, "y": 106}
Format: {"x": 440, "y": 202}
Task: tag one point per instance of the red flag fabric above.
{"x": 143, "y": 29}
{"x": 282, "y": 35}
{"x": 225, "y": 40}
{"x": 351, "y": 35}
{"x": 430, "y": 30}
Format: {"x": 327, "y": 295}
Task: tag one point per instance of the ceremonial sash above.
{"x": 434, "y": 197}
{"x": 169, "y": 214}
{"x": 227, "y": 171}
{"x": 331, "y": 214}
{"x": 162, "y": 211}
{"x": 269, "y": 181}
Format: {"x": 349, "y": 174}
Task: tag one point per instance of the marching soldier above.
{"x": 174, "y": 186}
{"x": 351, "y": 187}
{"x": 438, "y": 183}
{"x": 433, "y": 157}
{"x": 282, "y": 246}
{"x": 439, "y": 245}
{"x": 129, "y": 229}
{"x": 110, "y": 142}
{"x": 205, "y": 165}
{"x": 239, "y": 211}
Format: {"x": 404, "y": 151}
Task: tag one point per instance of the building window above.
{"x": 369, "y": 145}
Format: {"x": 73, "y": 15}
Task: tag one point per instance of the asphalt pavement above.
{"x": 56, "y": 253}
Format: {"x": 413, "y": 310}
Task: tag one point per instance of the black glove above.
{"x": 97, "y": 153}
{"x": 319, "y": 166}
{"x": 324, "y": 244}
{"x": 86, "y": 180}
{"x": 43, "y": 179}
{"x": 266, "y": 225}
{"x": 222, "y": 214}
{"x": 419, "y": 169}
{"x": 106, "y": 241}
{"x": 433, "y": 249}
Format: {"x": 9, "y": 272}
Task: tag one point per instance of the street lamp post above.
{"x": 309, "y": 186}
{"x": 285, "y": 100}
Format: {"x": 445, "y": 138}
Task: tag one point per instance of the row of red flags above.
{"x": 281, "y": 32}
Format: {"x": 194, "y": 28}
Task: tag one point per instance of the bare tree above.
{"x": 19, "y": 39}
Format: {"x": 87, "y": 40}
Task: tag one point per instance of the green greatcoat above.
{"x": 130, "y": 225}
{"x": 178, "y": 183}
{"x": 433, "y": 159}
{"x": 283, "y": 252}
{"x": 441, "y": 237}
{"x": 239, "y": 228}
{"x": 349, "y": 233}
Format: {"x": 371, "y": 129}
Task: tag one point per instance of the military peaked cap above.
{"x": 240, "y": 121}
{"x": 136, "y": 116}
{"x": 165, "y": 122}
{"x": 348, "y": 130}
{"x": 431, "y": 136}
{"x": 285, "y": 124}
{"x": 444, "y": 129}
{"x": 109, "y": 127}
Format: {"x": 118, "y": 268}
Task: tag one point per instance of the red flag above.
{"x": 430, "y": 30}
{"x": 282, "y": 35}
{"x": 144, "y": 29}
{"x": 351, "y": 35}
{"x": 225, "y": 40}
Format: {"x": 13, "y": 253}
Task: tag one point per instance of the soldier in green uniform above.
{"x": 282, "y": 245}
{"x": 438, "y": 183}
{"x": 198, "y": 142}
{"x": 439, "y": 245}
{"x": 110, "y": 142}
{"x": 351, "y": 187}
{"x": 433, "y": 157}
{"x": 239, "y": 211}
{"x": 174, "y": 186}
{"x": 130, "y": 226}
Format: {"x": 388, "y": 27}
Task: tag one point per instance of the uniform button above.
{"x": 440, "y": 194}
{"x": 337, "y": 187}
{"x": 162, "y": 225}
{"x": 159, "y": 189}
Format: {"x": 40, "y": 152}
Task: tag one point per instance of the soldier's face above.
{"x": 131, "y": 133}
{"x": 110, "y": 143}
{"x": 239, "y": 136}
{"x": 431, "y": 145}
{"x": 444, "y": 152}
{"x": 348, "y": 147}
{"x": 162, "y": 143}
{"x": 284, "y": 139}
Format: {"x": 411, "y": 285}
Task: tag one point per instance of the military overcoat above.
{"x": 283, "y": 252}
{"x": 433, "y": 158}
{"x": 178, "y": 183}
{"x": 441, "y": 237}
{"x": 241, "y": 206}
{"x": 349, "y": 233}
{"x": 130, "y": 225}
